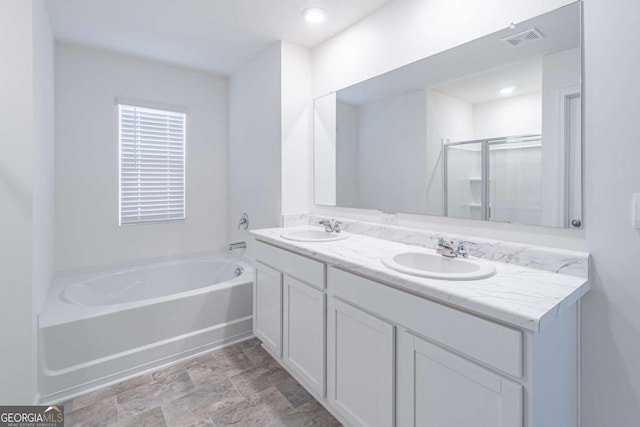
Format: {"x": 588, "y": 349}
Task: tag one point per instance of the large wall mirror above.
{"x": 489, "y": 130}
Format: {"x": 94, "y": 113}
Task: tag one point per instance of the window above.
{"x": 152, "y": 164}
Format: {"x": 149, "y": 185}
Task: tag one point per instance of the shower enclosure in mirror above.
{"x": 489, "y": 130}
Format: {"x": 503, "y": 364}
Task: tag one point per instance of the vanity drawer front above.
{"x": 302, "y": 268}
{"x": 487, "y": 342}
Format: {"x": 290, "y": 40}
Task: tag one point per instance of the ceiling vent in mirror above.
{"x": 523, "y": 38}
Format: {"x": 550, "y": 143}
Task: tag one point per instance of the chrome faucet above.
{"x": 447, "y": 248}
{"x": 237, "y": 245}
{"x": 462, "y": 248}
{"x": 331, "y": 225}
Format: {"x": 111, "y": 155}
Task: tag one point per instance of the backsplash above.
{"x": 295, "y": 220}
{"x": 539, "y": 257}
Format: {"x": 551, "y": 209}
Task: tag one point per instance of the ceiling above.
{"x": 525, "y": 77}
{"x": 212, "y": 35}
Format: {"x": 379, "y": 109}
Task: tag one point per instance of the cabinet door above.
{"x": 267, "y": 307}
{"x": 303, "y": 350}
{"x": 438, "y": 388}
{"x": 359, "y": 365}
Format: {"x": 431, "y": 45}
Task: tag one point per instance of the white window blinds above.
{"x": 152, "y": 165}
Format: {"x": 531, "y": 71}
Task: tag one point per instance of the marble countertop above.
{"x": 523, "y": 297}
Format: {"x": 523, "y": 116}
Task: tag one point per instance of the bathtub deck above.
{"x": 240, "y": 385}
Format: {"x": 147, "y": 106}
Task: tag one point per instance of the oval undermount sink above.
{"x": 436, "y": 266}
{"x": 312, "y": 235}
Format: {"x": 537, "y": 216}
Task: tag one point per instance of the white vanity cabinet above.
{"x": 360, "y": 365}
{"x": 301, "y": 305}
{"x": 378, "y": 356}
{"x": 438, "y": 388}
{"x": 303, "y": 332}
{"x": 267, "y": 307}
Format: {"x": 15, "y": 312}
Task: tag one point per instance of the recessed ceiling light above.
{"x": 507, "y": 90}
{"x": 314, "y": 15}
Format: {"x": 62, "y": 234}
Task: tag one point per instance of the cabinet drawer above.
{"x": 305, "y": 269}
{"x": 482, "y": 340}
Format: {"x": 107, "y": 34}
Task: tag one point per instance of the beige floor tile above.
{"x": 294, "y": 392}
{"x": 150, "y": 418}
{"x": 156, "y": 393}
{"x": 222, "y": 366}
{"x": 259, "y": 378}
{"x": 112, "y": 390}
{"x": 311, "y": 414}
{"x": 257, "y": 355}
{"x": 254, "y": 412}
{"x": 196, "y": 408}
{"x": 96, "y": 414}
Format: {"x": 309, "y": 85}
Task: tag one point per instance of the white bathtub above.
{"x": 104, "y": 325}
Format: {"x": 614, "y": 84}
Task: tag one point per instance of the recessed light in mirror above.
{"x": 313, "y": 15}
{"x": 507, "y": 90}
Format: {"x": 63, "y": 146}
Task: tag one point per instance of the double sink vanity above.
{"x": 385, "y": 333}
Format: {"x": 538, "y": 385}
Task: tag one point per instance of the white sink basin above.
{"x": 312, "y": 235}
{"x": 436, "y": 266}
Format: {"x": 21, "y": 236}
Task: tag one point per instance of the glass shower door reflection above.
{"x": 464, "y": 181}
{"x": 515, "y": 167}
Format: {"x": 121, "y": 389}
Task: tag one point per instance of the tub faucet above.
{"x": 237, "y": 245}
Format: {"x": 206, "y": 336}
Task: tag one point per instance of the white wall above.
{"x": 516, "y": 115}
{"x": 296, "y": 128}
{"x": 447, "y": 118}
{"x": 44, "y": 154}
{"x": 87, "y": 230}
{"x": 17, "y": 371}
{"x": 388, "y": 130}
{"x": 44, "y": 160}
{"x": 610, "y": 312}
{"x": 374, "y": 45}
{"x": 324, "y": 149}
{"x": 26, "y": 166}
{"x": 347, "y": 149}
{"x": 255, "y": 120}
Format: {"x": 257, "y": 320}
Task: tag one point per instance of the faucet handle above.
{"x": 442, "y": 243}
{"x": 337, "y": 226}
{"x": 462, "y": 248}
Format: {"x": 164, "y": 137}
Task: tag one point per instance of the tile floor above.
{"x": 240, "y": 385}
